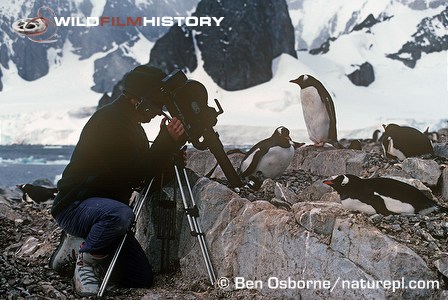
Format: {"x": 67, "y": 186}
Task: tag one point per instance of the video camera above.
{"x": 187, "y": 99}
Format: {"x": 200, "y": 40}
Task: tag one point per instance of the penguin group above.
{"x": 271, "y": 157}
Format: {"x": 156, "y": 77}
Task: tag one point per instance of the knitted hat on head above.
{"x": 144, "y": 82}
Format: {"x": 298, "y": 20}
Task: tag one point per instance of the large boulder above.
{"x": 317, "y": 244}
{"x": 328, "y": 161}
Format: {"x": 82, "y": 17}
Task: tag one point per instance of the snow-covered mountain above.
{"x": 49, "y": 90}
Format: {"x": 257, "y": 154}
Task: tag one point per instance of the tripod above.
{"x": 191, "y": 211}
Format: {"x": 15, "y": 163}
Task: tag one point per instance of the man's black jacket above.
{"x": 111, "y": 158}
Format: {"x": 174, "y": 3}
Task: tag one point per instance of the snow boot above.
{"x": 88, "y": 272}
{"x": 63, "y": 259}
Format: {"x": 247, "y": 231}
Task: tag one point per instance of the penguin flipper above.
{"x": 329, "y": 105}
{"x": 258, "y": 154}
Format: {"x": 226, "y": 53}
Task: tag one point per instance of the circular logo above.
{"x": 223, "y": 282}
{"x": 29, "y": 26}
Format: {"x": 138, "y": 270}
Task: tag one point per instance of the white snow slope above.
{"x": 53, "y": 109}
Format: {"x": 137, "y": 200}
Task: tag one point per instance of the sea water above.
{"x": 27, "y": 163}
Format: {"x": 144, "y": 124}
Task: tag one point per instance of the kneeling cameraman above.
{"x": 111, "y": 159}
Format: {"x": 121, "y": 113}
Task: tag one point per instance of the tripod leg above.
{"x": 201, "y": 234}
{"x": 137, "y": 208}
{"x": 195, "y": 228}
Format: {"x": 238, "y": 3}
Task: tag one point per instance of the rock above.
{"x": 252, "y": 38}
{"x": 328, "y": 162}
{"x": 317, "y": 217}
{"x": 51, "y": 292}
{"x": 29, "y": 246}
{"x": 363, "y": 75}
{"x": 442, "y": 264}
{"x": 7, "y": 211}
{"x": 316, "y": 191}
{"x": 235, "y": 159}
{"x": 169, "y": 57}
{"x": 210, "y": 198}
{"x": 379, "y": 255}
{"x": 256, "y": 241}
{"x": 283, "y": 193}
{"x": 367, "y": 23}
{"x": 201, "y": 162}
{"x": 111, "y": 68}
{"x": 441, "y": 149}
{"x": 427, "y": 171}
{"x": 444, "y": 186}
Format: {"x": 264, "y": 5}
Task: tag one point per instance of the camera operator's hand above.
{"x": 175, "y": 128}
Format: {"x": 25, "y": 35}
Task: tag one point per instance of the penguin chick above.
{"x": 384, "y": 196}
{"x": 270, "y": 156}
{"x": 318, "y": 110}
{"x": 36, "y": 193}
{"x": 400, "y": 142}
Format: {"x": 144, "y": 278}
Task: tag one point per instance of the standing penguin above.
{"x": 270, "y": 157}
{"x": 400, "y": 142}
{"x": 381, "y": 196}
{"x": 318, "y": 110}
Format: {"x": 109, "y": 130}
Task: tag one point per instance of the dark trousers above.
{"x": 103, "y": 222}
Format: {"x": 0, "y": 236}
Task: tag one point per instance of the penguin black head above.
{"x": 304, "y": 81}
{"x": 281, "y": 135}
{"x": 344, "y": 183}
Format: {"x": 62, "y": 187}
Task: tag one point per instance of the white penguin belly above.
{"x": 397, "y": 206}
{"x": 356, "y": 205}
{"x": 315, "y": 114}
{"x": 275, "y": 161}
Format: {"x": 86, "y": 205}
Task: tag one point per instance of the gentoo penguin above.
{"x": 384, "y": 196}
{"x": 36, "y": 193}
{"x": 400, "y": 142}
{"x": 270, "y": 157}
{"x": 318, "y": 110}
{"x": 376, "y": 136}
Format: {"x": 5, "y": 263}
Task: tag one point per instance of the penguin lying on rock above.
{"x": 37, "y": 193}
{"x": 318, "y": 111}
{"x": 270, "y": 157}
{"x": 384, "y": 196}
{"x": 400, "y": 142}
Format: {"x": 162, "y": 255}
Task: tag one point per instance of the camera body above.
{"x": 186, "y": 99}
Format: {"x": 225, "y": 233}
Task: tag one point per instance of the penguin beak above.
{"x": 294, "y": 80}
{"x": 328, "y": 182}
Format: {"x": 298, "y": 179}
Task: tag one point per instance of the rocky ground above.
{"x": 29, "y": 235}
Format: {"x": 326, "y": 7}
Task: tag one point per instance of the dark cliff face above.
{"x": 237, "y": 54}
{"x": 174, "y": 50}
{"x": 431, "y": 36}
